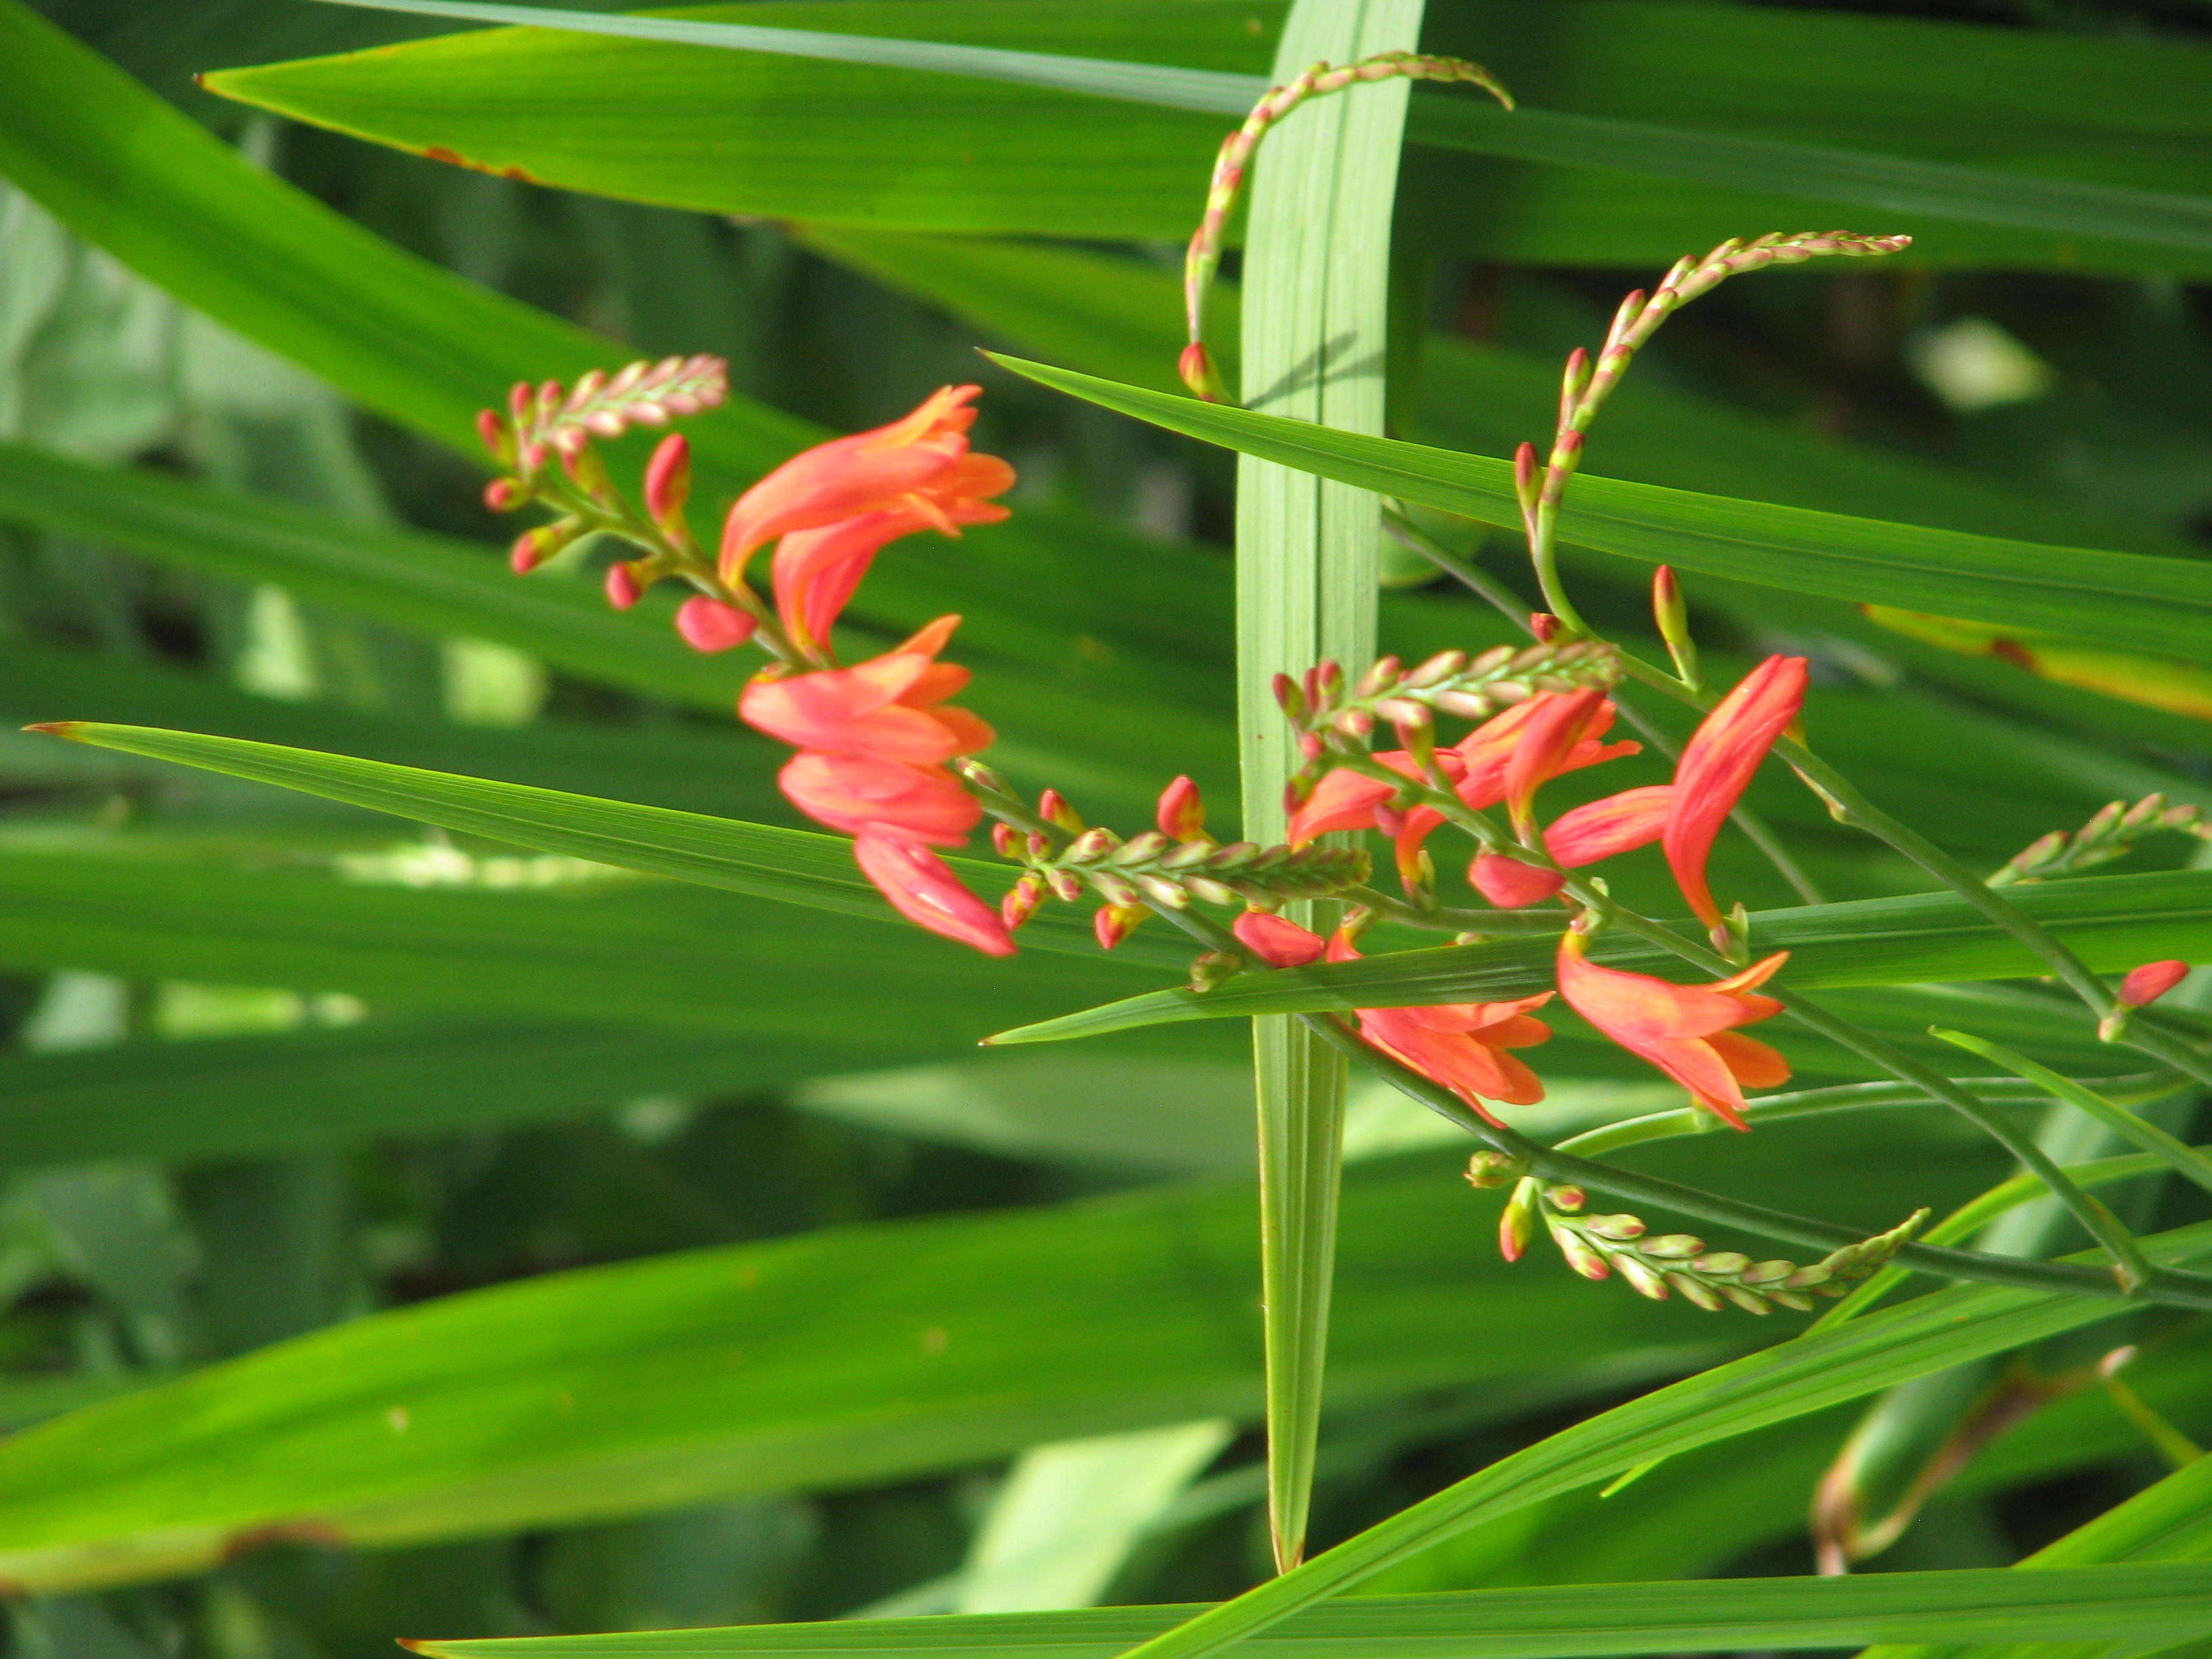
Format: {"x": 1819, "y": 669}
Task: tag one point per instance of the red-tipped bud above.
{"x": 527, "y": 553}
{"x": 2146, "y": 984}
{"x": 1196, "y": 367}
{"x": 518, "y": 399}
{"x": 1516, "y": 1225}
{"x": 710, "y": 625}
{"x": 1021, "y": 901}
{"x": 1672, "y": 617}
{"x": 1004, "y": 841}
{"x": 1115, "y": 922}
{"x": 532, "y": 458}
{"x": 494, "y": 432}
{"x": 1181, "y": 814}
{"x": 1544, "y": 625}
{"x": 1524, "y": 473}
{"x": 504, "y": 495}
{"x": 622, "y": 588}
{"x": 668, "y": 480}
{"x": 1054, "y": 810}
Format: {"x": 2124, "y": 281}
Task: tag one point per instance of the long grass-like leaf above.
{"x": 1554, "y": 1622}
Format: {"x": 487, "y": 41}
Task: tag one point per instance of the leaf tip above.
{"x": 58, "y": 728}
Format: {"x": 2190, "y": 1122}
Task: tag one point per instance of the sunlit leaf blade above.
{"x": 2112, "y": 921}
{"x": 1318, "y": 277}
{"x": 792, "y": 866}
{"x": 497, "y": 113}
{"x": 2125, "y": 598}
{"x": 841, "y": 1357}
{"x": 1555, "y": 1622}
{"x": 1822, "y": 1369}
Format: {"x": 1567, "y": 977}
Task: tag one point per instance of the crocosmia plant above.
{"x": 1645, "y": 894}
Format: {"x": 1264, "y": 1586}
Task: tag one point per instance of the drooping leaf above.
{"x": 2150, "y": 604}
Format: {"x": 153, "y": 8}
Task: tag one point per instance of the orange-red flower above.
{"x": 891, "y": 707}
{"x": 1487, "y": 754}
{"x": 924, "y": 890}
{"x": 853, "y": 793}
{"x": 1687, "y": 1031}
{"x": 815, "y": 571}
{"x": 922, "y": 463}
{"x": 1461, "y": 1045}
{"x": 2146, "y": 984}
{"x": 707, "y": 624}
{"x": 1717, "y": 767}
{"x": 1618, "y": 823}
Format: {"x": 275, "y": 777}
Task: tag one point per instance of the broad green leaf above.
{"x": 1822, "y": 1369}
{"x": 228, "y": 1098}
{"x": 1002, "y": 128}
{"x": 842, "y": 1357}
{"x": 2154, "y": 1603}
{"x": 2125, "y": 598}
{"x": 792, "y": 866}
{"x": 1317, "y": 266}
{"x": 2113, "y": 922}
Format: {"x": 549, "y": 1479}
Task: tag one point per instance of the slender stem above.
{"x": 1445, "y": 918}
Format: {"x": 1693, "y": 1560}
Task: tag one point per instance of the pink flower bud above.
{"x": 1196, "y": 367}
{"x": 668, "y": 480}
{"x": 1004, "y": 840}
{"x": 1544, "y": 625}
{"x": 527, "y": 553}
{"x": 1054, "y": 810}
{"x": 1524, "y": 471}
{"x": 710, "y": 625}
{"x": 503, "y": 495}
{"x": 493, "y": 431}
{"x": 2146, "y": 984}
{"x": 622, "y": 589}
{"x": 1181, "y": 814}
{"x": 518, "y": 397}
{"x": 1021, "y": 901}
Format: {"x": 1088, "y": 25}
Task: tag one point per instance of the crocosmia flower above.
{"x": 923, "y": 887}
{"x": 1687, "y": 1031}
{"x": 1717, "y": 767}
{"x": 1462, "y": 1045}
{"x": 2146, "y": 984}
{"x": 1618, "y": 823}
{"x": 891, "y": 707}
{"x": 1486, "y": 755}
{"x": 853, "y": 792}
{"x": 921, "y": 464}
{"x": 1276, "y": 941}
{"x": 815, "y": 571}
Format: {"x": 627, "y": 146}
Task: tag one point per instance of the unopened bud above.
{"x": 1544, "y": 625}
{"x": 1381, "y": 675}
{"x": 1644, "y": 1280}
{"x": 1161, "y": 891}
{"x": 1092, "y": 846}
{"x": 1442, "y": 667}
{"x": 1487, "y": 1169}
{"x": 623, "y": 589}
{"x": 1696, "y": 1292}
{"x": 1114, "y": 889}
{"x": 1021, "y": 901}
{"x": 1004, "y": 841}
{"x": 1141, "y": 849}
{"x": 1580, "y": 1257}
{"x": 1213, "y": 968}
{"x": 505, "y": 495}
{"x": 584, "y": 467}
{"x": 1566, "y": 1198}
{"x": 668, "y": 482}
{"x": 1115, "y": 922}
{"x": 2146, "y": 984}
{"x": 1066, "y": 885}
{"x": 498, "y": 437}
{"x": 1524, "y": 475}
{"x": 1672, "y": 617}
{"x": 1181, "y": 814}
{"x": 707, "y": 624}
{"x": 1056, "y": 812}
{"x": 1618, "y": 1228}
{"x": 1290, "y": 698}
{"x": 1517, "y": 1224}
{"x": 1673, "y": 1246}
{"x": 1198, "y": 374}
{"x": 518, "y": 399}
{"x": 1721, "y": 1264}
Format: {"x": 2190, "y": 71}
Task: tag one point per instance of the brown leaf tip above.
{"x": 56, "y": 728}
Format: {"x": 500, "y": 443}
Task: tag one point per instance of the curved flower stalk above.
{"x": 1235, "y": 160}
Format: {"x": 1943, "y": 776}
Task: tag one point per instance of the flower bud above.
{"x": 1644, "y": 1280}
{"x": 1673, "y": 618}
{"x": 1021, "y": 901}
{"x": 1720, "y": 1264}
{"x": 710, "y": 625}
{"x": 495, "y": 434}
{"x": 505, "y": 495}
{"x": 1291, "y": 700}
{"x": 1524, "y": 475}
{"x": 527, "y": 553}
{"x": 1673, "y": 1246}
{"x": 518, "y": 399}
{"x": 1066, "y": 885}
{"x": 623, "y": 589}
{"x": 1212, "y": 968}
{"x": 1580, "y": 1257}
{"x": 1115, "y": 922}
{"x": 1056, "y": 812}
{"x": 2146, "y": 984}
{"x": 1544, "y": 625}
{"x": 1442, "y": 667}
{"x": 1181, "y": 814}
{"x": 1381, "y": 675}
{"x": 668, "y": 482}
{"x": 1141, "y": 849}
{"x": 1487, "y": 1169}
{"x": 1618, "y": 1228}
{"x": 1198, "y": 374}
{"x": 1696, "y": 1292}
{"x": 1092, "y": 846}
{"x": 1516, "y": 1225}
{"x": 1569, "y": 1198}
{"x": 1004, "y": 840}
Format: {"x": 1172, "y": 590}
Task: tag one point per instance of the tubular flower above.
{"x": 2146, "y": 984}
{"x": 923, "y": 889}
{"x": 815, "y": 571}
{"x": 853, "y": 793}
{"x": 1618, "y": 823}
{"x": 707, "y": 624}
{"x": 916, "y": 462}
{"x": 891, "y": 708}
{"x": 1461, "y": 1045}
{"x": 1545, "y": 744}
{"x": 1486, "y": 753}
{"x": 1345, "y": 799}
{"x": 1717, "y": 767}
{"x": 1686, "y": 1031}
